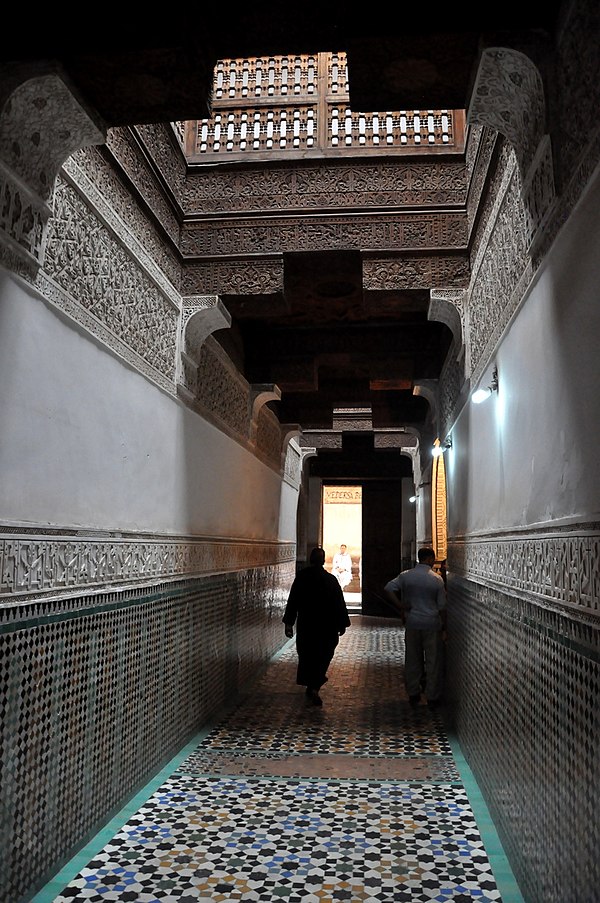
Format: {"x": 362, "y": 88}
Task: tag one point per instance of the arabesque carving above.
{"x": 40, "y": 125}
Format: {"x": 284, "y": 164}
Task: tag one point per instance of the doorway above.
{"x": 341, "y": 529}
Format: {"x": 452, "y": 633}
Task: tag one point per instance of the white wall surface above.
{"x": 87, "y": 442}
{"x": 529, "y": 454}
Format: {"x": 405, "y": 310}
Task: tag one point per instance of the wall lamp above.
{"x": 481, "y": 394}
{"x": 413, "y": 498}
{"x": 438, "y": 450}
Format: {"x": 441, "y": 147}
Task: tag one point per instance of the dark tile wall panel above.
{"x": 524, "y": 683}
{"x": 97, "y": 698}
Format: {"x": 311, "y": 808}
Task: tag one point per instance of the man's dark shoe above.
{"x": 414, "y": 700}
{"x": 312, "y": 697}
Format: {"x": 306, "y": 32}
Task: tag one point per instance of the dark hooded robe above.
{"x": 317, "y": 606}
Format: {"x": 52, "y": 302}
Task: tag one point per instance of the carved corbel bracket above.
{"x": 429, "y": 390}
{"x": 260, "y": 395}
{"x": 201, "y": 315}
{"x": 289, "y": 431}
{"x": 448, "y": 306}
{"x": 509, "y": 96}
{"x": 42, "y": 123}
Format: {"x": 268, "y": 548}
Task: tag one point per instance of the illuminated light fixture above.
{"x": 481, "y": 394}
{"x": 439, "y": 450}
{"x": 413, "y": 498}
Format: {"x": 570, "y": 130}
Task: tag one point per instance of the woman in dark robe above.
{"x": 316, "y": 605}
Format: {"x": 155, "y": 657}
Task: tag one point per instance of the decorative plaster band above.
{"x": 41, "y": 565}
{"x": 558, "y": 566}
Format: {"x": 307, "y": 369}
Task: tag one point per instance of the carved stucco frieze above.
{"x": 269, "y": 438}
{"x": 482, "y": 148}
{"x": 41, "y": 123}
{"x": 416, "y": 231}
{"x": 97, "y": 182}
{"x": 451, "y": 385}
{"x": 393, "y": 273}
{"x": 220, "y": 391}
{"x": 235, "y": 277}
{"x": 502, "y": 267}
{"x": 93, "y": 268}
{"x": 554, "y": 566}
{"x": 37, "y": 565}
{"x": 130, "y": 157}
{"x": 363, "y": 184}
{"x": 168, "y": 159}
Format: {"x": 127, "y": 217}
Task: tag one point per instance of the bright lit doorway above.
{"x": 342, "y": 526}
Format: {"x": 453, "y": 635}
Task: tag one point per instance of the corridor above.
{"x": 363, "y": 800}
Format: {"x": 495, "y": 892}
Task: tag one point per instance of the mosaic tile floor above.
{"x": 365, "y": 800}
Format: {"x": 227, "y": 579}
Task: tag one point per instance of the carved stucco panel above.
{"x": 292, "y": 467}
{"x": 234, "y": 277}
{"x": 88, "y": 263}
{"x": 220, "y": 390}
{"x": 415, "y": 272}
{"x": 268, "y": 435}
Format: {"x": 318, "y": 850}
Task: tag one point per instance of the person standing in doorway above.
{"x": 342, "y": 566}
{"x": 420, "y": 595}
{"x": 316, "y": 605}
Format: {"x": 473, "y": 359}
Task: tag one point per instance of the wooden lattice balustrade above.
{"x": 298, "y": 105}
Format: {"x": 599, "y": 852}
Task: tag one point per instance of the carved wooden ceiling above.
{"x": 324, "y": 337}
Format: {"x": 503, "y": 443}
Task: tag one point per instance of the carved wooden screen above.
{"x": 283, "y": 105}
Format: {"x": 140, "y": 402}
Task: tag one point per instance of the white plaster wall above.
{"x": 529, "y": 455}
{"x": 87, "y": 442}
{"x": 288, "y": 512}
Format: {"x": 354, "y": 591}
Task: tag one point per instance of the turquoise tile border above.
{"x": 505, "y": 880}
{"x": 501, "y": 869}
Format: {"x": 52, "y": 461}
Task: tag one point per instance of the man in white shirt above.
{"x": 420, "y": 596}
{"x": 342, "y": 566}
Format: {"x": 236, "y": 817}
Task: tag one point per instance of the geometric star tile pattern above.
{"x": 359, "y": 801}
